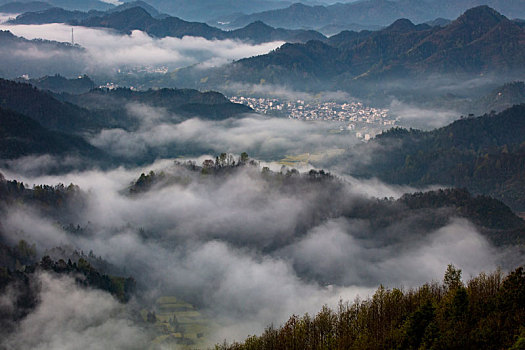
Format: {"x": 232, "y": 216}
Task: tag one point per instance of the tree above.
{"x": 208, "y": 163}
{"x": 244, "y": 158}
{"x": 452, "y": 279}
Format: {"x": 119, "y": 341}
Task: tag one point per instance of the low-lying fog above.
{"x": 246, "y": 254}
{"x": 106, "y": 50}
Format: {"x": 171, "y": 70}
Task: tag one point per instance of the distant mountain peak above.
{"x": 298, "y": 5}
{"x": 136, "y": 10}
{"x": 258, "y": 24}
{"x": 481, "y": 15}
{"x": 402, "y": 25}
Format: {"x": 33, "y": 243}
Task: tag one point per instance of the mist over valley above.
{"x": 262, "y": 175}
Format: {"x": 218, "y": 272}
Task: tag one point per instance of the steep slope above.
{"x": 479, "y": 38}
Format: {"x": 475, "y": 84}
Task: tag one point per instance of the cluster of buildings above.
{"x": 144, "y": 70}
{"x": 353, "y": 117}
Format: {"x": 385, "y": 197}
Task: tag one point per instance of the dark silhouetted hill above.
{"x": 22, "y": 136}
{"x": 183, "y": 102}
{"x": 485, "y": 155}
{"x": 59, "y": 84}
{"x": 45, "y": 109}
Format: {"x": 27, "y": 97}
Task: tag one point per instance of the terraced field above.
{"x": 305, "y": 158}
{"x": 178, "y": 324}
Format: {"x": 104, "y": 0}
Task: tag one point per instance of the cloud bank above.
{"x": 246, "y": 253}
{"x": 267, "y": 138}
{"x": 107, "y": 51}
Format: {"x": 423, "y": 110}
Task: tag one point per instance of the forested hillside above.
{"x": 484, "y": 313}
{"x": 421, "y": 211}
{"x": 484, "y": 154}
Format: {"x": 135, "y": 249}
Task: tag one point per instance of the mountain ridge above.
{"x": 464, "y": 49}
{"x": 126, "y": 19}
{"x": 376, "y": 12}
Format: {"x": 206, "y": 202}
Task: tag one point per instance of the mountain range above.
{"x": 50, "y": 14}
{"x": 200, "y": 10}
{"x": 140, "y": 17}
{"x": 205, "y": 10}
{"x": 372, "y": 12}
{"x": 480, "y": 42}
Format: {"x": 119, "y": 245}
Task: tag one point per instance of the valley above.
{"x": 239, "y": 175}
